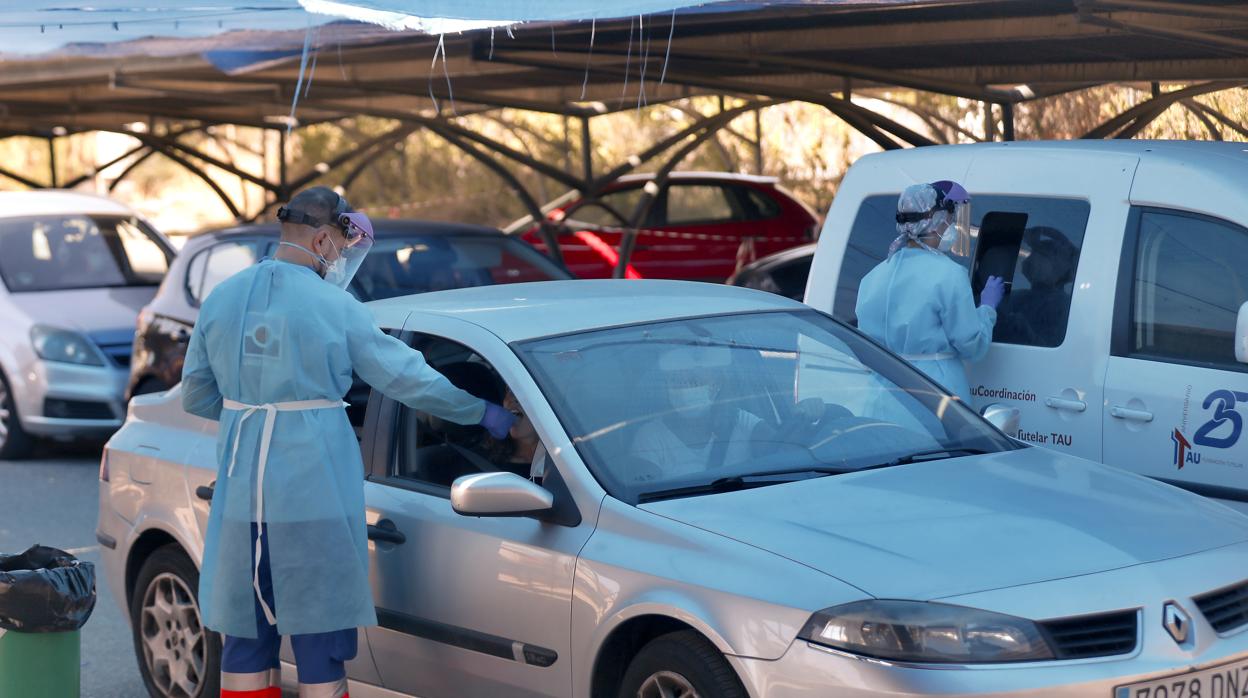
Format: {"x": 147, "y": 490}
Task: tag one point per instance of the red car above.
{"x": 703, "y": 226}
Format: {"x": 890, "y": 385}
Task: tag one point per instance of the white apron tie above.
{"x": 270, "y": 411}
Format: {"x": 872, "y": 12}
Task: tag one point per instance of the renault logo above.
{"x": 1177, "y": 622}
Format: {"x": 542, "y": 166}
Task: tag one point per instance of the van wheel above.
{"x": 680, "y": 665}
{"x": 178, "y": 656}
{"x": 15, "y": 443}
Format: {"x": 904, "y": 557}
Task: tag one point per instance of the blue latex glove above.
{"x": 497, "y": 420}
{"x": 994, "y": 291}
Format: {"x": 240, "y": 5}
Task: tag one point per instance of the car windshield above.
{"x": 61, "y": 252}
{"x": 683, "y": 405}
{"x": 399, "y": 266}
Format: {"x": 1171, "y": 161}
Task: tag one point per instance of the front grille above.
{"x": 1226, "y": 609}
{"x": 76, "y": 409}
{"x": 1102, "y": 635}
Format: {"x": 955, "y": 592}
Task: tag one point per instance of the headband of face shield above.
{"x": 941, "y": 208}
{"x": 355, "y": 227}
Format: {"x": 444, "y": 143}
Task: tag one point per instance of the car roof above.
{"x": 719, "y": 176}
{"x": 516, "y": 312}
{"x": 58, "y": 201}
{"x": 382, "y": 227}
{"x": 778, "y": 258}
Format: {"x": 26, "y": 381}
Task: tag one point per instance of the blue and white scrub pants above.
{"x": 251, "y": 668}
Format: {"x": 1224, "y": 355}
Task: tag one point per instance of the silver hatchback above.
{"x": 74, "y": 272}
{"x": 711, "y": 492}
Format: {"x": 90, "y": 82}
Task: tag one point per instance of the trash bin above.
{"x": 46, "y": 595}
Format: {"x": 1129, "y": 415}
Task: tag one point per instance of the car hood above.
{"x": 943, "y": 528}
{"x": 92, "y": 311}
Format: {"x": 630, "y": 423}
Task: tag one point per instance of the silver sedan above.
{"x": 713, "y": 492}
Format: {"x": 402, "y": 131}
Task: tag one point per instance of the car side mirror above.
{"x": 1007, "y": 419}
{"x": 1241, "y": 335}
{"x": 499, "y": 494}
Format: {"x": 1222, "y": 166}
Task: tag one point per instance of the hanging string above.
{"x": 671, "y": 32}
{"x": 316, "y": 40}
{"x": 491, "y": 43}
{"x": 450, "y": 92}
{"x": 552, "y": 41}
{"x": 628, "y": 63}
{"x": 303, "y": 65}
{"x": 645, "y": 63}
{"x": 593, "y": 27}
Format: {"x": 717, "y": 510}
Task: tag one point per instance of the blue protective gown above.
{"x": 919, "y": 304}
{"x": 275, "y": 333}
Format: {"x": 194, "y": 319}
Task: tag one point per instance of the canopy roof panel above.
{"x": 996, "y": 50}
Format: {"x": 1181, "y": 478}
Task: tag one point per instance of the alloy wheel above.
{"x": 667, "y": 684}
{"x": 174, "y": 640}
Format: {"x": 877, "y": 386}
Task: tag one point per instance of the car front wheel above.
{"x": 682, "y": 664}
{"x": 15, "y": 443}
{"x": 178, "y": 656}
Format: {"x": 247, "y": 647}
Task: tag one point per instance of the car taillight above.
{"x": 104, "y": 466}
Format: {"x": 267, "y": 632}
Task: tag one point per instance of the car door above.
{"x": 1053, "y": 239}
{"x": 1176, "y": 399}
{"x": 467, "y": 607}
{"x": 702, "y": 231}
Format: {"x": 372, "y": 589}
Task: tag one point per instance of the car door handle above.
{"x": 205, "y": 492}
{"x": 1133, "y": 415}
{"x": 385, "y": 531}
{"x": 1058, "y": 403}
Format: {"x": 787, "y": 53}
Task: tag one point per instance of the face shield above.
{"x": 359, "y": 233}
{"x": 955, "y": 200}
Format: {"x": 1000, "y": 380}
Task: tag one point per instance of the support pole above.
{"x": 990, "y": 129}
{"x": 1007, "y": 117}
{"x": 758, "y": 141}
{"x": 587, "y": 151}
{"x": 283, "y": 192}
{"x": 52, "y": 159}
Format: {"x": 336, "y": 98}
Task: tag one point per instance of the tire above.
{"x": 682, "y": 664}
{"x": 178, "y": 657}
{"x": 15, "y": 443}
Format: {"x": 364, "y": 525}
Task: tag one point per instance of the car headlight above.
{"x": 65, "y": 346}
{"x": 916, "y": 631}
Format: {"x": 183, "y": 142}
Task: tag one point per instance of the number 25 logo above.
{"x": 1223, "y": 413}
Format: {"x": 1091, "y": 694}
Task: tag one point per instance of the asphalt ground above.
{"x": 53, "y": 499}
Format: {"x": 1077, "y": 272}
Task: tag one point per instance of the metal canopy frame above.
{"x": 999, "y": 52}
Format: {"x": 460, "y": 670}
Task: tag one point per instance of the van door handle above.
{"x": 386, "y": 532}
{"x": 1133, "y": 415}
{"x": 1058, "y": 403}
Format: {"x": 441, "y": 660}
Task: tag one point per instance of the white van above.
{"x": 1124, "y": 338}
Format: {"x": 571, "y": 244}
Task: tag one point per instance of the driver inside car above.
{"x": 700, "y": 430}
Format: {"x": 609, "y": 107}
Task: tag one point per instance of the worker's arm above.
{"x": 401, "y": 372}
{"x": 200, "y": 394}
{"x": 968, "y": 328}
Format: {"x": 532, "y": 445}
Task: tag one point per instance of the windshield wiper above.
{"x": 733, "y": 483}
{"x": 923, "y": 456}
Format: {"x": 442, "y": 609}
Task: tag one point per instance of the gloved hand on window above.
{"x": 497, "y": 420}
{"x": 994, "y": 291}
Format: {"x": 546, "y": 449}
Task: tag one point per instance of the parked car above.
{"x": 784, "y": 273}
{"x": 409, "y": 257}
{"x": 703, "y": 226}
{"x": 74, "y": 271}
{"x": 1125, "y": 336}
{"x": 824, "y": 521}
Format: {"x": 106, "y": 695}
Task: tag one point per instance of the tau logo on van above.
{"x": 1183, "y": 453}
{"x": 1176, "y": 622}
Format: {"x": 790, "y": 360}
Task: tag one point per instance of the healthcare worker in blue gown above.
{"x": 918, "y": 301}
{"x": 271, "y": 357}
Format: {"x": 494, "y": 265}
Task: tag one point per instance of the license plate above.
{"x": 1226, "y": 681}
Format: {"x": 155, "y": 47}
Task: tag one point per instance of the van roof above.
{"x": 1214, "y": 153}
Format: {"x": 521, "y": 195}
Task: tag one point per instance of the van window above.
{"x": 1032, "y": 241}
{"x": 1190, "y": 279}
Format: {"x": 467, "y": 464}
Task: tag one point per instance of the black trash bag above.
{"x": 45, "y": 590}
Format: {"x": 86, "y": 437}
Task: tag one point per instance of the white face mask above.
{"x": 692, "y": 403}
{"x": 947, "y": 238}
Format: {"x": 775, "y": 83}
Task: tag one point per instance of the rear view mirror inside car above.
{"x": 1241, "y": 335}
